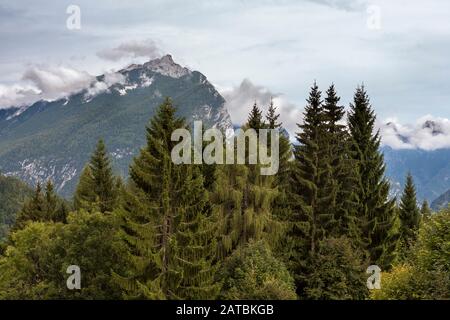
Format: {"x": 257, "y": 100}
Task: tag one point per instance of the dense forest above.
{"x": 212, "y": 231}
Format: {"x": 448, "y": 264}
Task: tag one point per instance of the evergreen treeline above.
{"x": 226, "y": 231}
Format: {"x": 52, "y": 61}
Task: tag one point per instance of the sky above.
{"x": 249, "y": 49}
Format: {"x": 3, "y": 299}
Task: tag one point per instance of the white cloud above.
{"x": 52, "y": 83}
{"x": 132, "y": 49}
{"x": 57, "y": 82}
{"x": 17, "y": 95}
{"x": 240, "y": 99}
{"x": 428, "y": 133}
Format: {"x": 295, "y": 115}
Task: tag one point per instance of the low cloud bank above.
{"x": 52, "y": 83}
{"x": 428, "y": 133}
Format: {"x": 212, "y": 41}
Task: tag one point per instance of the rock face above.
{"x": 53, "y": 140}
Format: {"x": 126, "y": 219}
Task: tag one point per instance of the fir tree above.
{"x": 375, "y": 211}
{"x": 409, "y": 212}
{"x": 165, "y": 221}
{"x": 97, "y": 187}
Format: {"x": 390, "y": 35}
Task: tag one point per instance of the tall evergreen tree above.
{"x": 310, "y": 196}
{"x": 344, "y": 174}
{"x": 165, "y": 221}
{"x": 98, "y": 188}
{"x": 376, "y": 212}
{"x": 409, "y": 212}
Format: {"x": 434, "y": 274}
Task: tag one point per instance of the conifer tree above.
{"x": 51, "y": 201}
{"x": 425, "y": 210}
{"x": 375, "y": 211}
{"x": 43, "y": 206}
{"x": 344, "y": 174}
{"x": 255, "y": 120}
{"x": 98, "y": 188}
{"x": 409, "y": 212}
{"x": 32, "y": 210}
{"x": 243, "y": 198}
{"x": 310, "y": 196}
{"x": 272, "y": 116}
{"x": 165, "y": 222}
{"x": 281, "y": 182}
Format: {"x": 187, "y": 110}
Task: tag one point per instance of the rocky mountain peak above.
{"x": 166, "y": 66}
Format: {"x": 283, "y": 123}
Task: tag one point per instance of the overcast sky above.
{"x": 399, "y": 49}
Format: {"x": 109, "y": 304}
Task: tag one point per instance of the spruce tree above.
{"x": 344, "y": 175}
{"x": 51, "y": 204}
{"x": 98, "y": 188}
{"x": 281, "y": 181}
{"x": 272, "y": 116}
{"x": 32, "y": 210}
{"x": 310, "y": 196}
{"x": 375, "y": 210}
{"x": 43, "y": 206}
{"x": 409, "y": 212}
{"x": 165, "y": 222}
{"x": 255, "y": 120}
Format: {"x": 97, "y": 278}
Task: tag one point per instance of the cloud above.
{"x": 57, "y": 82}
{"x": 52, "y": 83}
{"x": 240, "y": 99}
{"x": 347, "y": 5}
{"x": 133, "y": 49}
{"x": 428, "y": 133}
{"x": 109, "y": 79}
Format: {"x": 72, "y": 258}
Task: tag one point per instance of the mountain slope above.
{"x": 430, "y": 169}
{"x": 441, "y": 202}
{"x": 53, "y": 140}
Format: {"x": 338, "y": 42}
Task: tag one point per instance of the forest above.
{"x": 225, "y": 231}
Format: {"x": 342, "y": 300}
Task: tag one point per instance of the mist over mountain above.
{"x": 54, "y": 139}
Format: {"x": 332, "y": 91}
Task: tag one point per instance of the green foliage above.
{"x": 43, "y": 206}
{"x": 255, "y": 119}
{"x": 35, "y": 262}
{"x": 426, "y": 274}
{"x": 337, "y": 272}
{"x": 253, "y": 273}
{"x": 98, "y": 188}
{"x": 13, "y": 194}
{"x": 312, "y": 191}
{"x": 375, "y": 211}
{"x": 409, "y": 213}
{"x": 166, "y": 225}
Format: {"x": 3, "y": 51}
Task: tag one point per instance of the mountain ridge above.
{"x": 53, "y": 139}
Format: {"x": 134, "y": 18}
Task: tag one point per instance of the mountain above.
{"x": 54, "y": 139}
{"x": 12, "y": 195}
{"x": 430, "y": 169}
{"x": 441, "y": 202}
